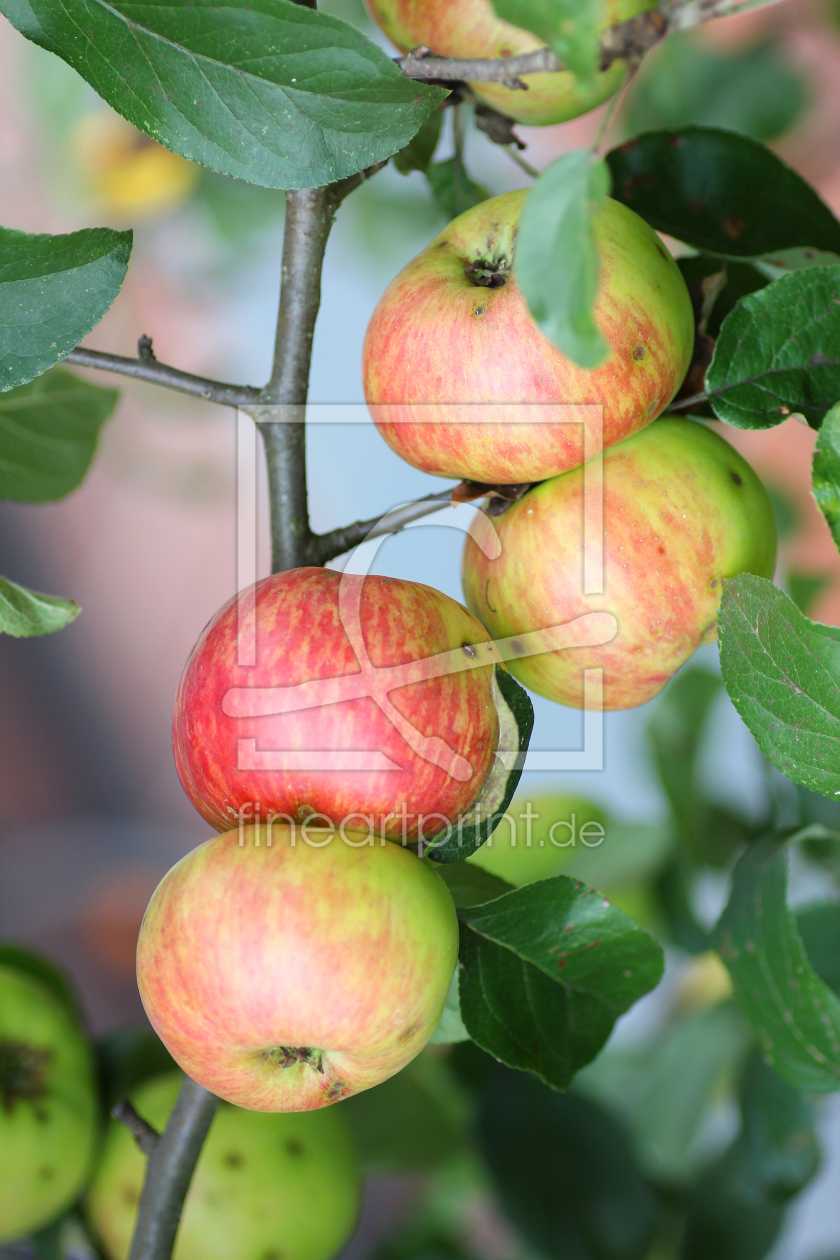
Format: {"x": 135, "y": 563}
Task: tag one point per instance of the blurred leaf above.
{"x": 784, "y": 510}
{"x": 782, "y": 261}
{"x": 741, "y": 279}
{"x": 674, "y": 899}
{"x": 53, "y": 289}
{"x": 782, "y": 673}
{"x": 819, "y": 927}
{"x": 720, "y": 192}
{"x": 451, "y": 1028}
{"x": 685, "y": 82}
{"x": 777, "y": 1149}
{"x": 564, "y": 1172}
{"x": 778, "y": 353}
{"x": 794, "y": 1015}
{"x": 806, "y": 588}
{"x": 825, "y": 472}
{"x": 420, "y": 150}
{"x": 271, "y": 91}
{"x": 676, "y": 732}
{"x": 631, "y": 852}
{"x": 469, "y": 885}
{"x": 415, "y": 1120}
{"x": 126, "y": 1059}
{"x": 719, "y": 1225}
{"x": 237, "y": 209}
{"x": 557, "y": 262}
{"x": 25, "y": 613}
{"x": 571, "y": 27}
{"x": 49, "y": 429}
{"x": 453, "y": 190}
{"x": 45, "y": 972}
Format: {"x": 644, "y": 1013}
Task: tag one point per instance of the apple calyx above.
{"x": 488, "y": 274}
{"x": 23, "y": 1071}
{"x": 288, "y": 1056}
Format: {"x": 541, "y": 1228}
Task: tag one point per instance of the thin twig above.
{"x": 143, "y": 1133}
{"x": 169, "y": 1172}
{"x": 148, "y": 369}
{"x": 691, "y": 401}
{"x": 520, "y": 161}
{"x": 337, "y": 541}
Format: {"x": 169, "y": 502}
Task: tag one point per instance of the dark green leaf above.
{"x": 452, "y": 188}
{"x": 564, "y": 1172}
{"x": 26, "y": 613}
{"x": 415, "y": 1120}
{"x": 720, "y": 192}
{"x": 782, "y": 673}
{"x": 794, "y": 1015}
{"x": 571, "y": 27}
{"x": 267, "y": 90}
{"x": 557, "y": 262}
{"x": 740, "y": 279}
{"x": 516, "y": 721}
{"x": 420, "y": 150}
{"x": 126, "y": 1059}
{"x": 719, "y": 1225}
{"x": 819, "y": 927}
{"x": 53, "y": 289}
{"x": 778, "y": 353}
{"x": 806, "y": 588}
{"x": 48, "y": 435}
{"x": 825, "y": 472}
{"x": 685, "y": 82}
{"x": 45, "y": 973}
{"x": 673, "y": 895}
{"x": 777, "y": 1150}
{"x": 469, "y": 885}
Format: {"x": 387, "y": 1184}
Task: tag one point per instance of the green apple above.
{"x": 265, "y": 1187}
{"x": 286, "y": 968}
{"x": 48, "y": 1106}
{"x": 537, "y": 838}
{"x": 470, "y": 28}
{"x": 682, "y": 511}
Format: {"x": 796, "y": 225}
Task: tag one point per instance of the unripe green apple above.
{"x": 440, "y": 347}
{"x": 48, "y": 1106}
{"x": 265, "y": 1187}
{"x": 285, "y": 969}
{"x": 470, "y": 28}
{"x": 537, "y": 838}
{"x": 682, "y": 510}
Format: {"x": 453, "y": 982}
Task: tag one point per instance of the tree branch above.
{"x": 170, "y": 1168}
{"x": 147, "y": 368}
{"x": 143, "y": 1133}
{"x": 337, "y": 541}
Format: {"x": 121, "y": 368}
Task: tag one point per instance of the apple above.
{"x": 537, "y": 838}
{"x": 285, "y": 968}
{"x": 470, "y": 28}
{"x": 48, "y": 1106}
{"x": 682, "y": 510}
{"x": 265, "y": 1187}
{"x": 439, "y": 345}
{"x": 345, "y": 711}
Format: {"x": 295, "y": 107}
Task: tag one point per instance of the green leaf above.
{"x": 453, "y": 190}
{"x": 556, "y": 261}
{"x": 571, "y": 27}
{"x": 721, "y": 193}
{"x": 740, "y": 278}
{"x": 25, "y": 613}
{"x": 126, "y": 1059}
{"x": 469, "y": 885}
{"x": 778, "y": 353}
{"x": 546, "y": 970}
{"x": 777, "y": 1150}
{"x": 794, "y": 1015}
{"x": 782, "y": 673}
{"x": 48, "y": 435}
{"x": 806, "y": 588}
{"x": 719, "y": 1225}
{"x": 564, "y": 1172}
{"x": 420, "y": 150}
{"x": 42, "y": 970}
{"x": 749, "y": 90}
{"x": 825, "y": 471}
{"x": 413, "y": 1121}
{"x": 451, "y": 1029}
{"x": 53, "y": 289}
{"x": 819, "y": 927}
{"x": 516, "y": 721}
{"x": 270, "y": 91}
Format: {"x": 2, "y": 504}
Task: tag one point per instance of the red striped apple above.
{"x": 285, "y": 969}
{"x": 681, "y": 511}
{"x": 470, "y": 28}
{"x": 441, "y": 345}
{"x": 351, "y": 709}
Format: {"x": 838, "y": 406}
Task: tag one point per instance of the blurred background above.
{"x": 92, "y": 812}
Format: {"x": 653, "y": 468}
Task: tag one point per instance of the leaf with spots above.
{"x": 721, "y": 193}
{"x": 825, "y": 471}
{"x": 778, "y": 353}
{"x": 793, "y": 1013}
{"x": 546, "y": 971}
{"x": 269, "y": 91}
{"x": 782, "y": 672}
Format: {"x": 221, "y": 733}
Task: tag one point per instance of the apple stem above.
{"x": 169, "y": 1171}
